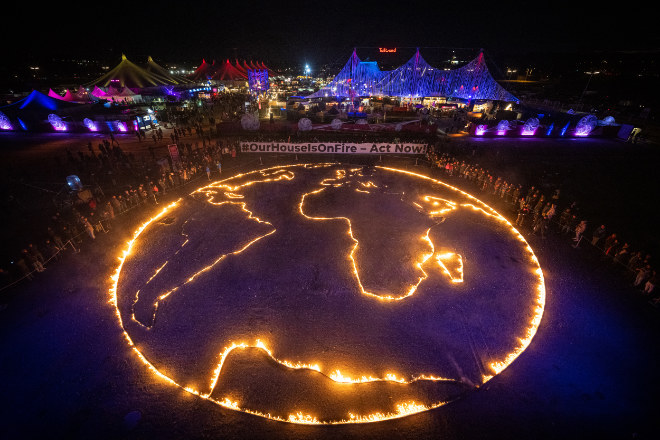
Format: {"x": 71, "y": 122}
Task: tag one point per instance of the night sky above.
{"x": 291, "y": 33}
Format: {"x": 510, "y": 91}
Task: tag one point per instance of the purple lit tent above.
{"x": 415, "y": 79}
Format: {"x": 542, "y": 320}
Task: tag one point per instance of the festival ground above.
{"x": 589, "y": 372}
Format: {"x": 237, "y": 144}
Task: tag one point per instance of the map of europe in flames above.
{"x": 328, "y": 293}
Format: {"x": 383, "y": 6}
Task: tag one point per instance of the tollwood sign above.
{"x": 330, "y": 148}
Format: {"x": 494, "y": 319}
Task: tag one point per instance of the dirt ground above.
{"x": 590, "y": 371}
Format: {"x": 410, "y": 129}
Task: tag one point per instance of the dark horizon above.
{"x": 317, "y": 32}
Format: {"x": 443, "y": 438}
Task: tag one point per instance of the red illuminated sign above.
{"x": 386, "y": 50}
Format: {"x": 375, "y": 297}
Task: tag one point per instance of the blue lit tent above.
{"x": 33, "y": 112}
{"x": 342, "y": 84}
{"x": 415, "y": 79}
{"x": 474, "y": 81}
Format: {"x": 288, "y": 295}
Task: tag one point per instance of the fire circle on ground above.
{"x": 328, "y": 293}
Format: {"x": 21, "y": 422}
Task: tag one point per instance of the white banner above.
{"x": 332, "y": 148}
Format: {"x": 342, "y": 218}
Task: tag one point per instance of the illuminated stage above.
{"x": 328, "y": 293}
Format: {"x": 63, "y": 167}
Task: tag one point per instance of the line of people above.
{"x": 540, "y": 214}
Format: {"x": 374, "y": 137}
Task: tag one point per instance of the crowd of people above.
{"x": 119, "y": 184}
{"x": 542, "y": 214}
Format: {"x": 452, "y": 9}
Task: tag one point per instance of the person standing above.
{"x": 598, "y": 234}
{"x": 34, "y": 262}
{"x": 579, "y": 230}
{"x": 219, "y": 165}
{"x": 88, "y": 227}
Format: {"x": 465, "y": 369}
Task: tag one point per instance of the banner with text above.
{"x": 332, "y": 148}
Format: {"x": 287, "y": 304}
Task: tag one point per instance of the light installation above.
{"x": 550, "y": 128}
{"x": 586, "y": 125}
{"x": 5, "y": 124}
{"x": 227, "y": 192}
{"x": 415, "y": 79}
{"x": 608, "y": 120}
{"x": 529, "y": 127}
{"x": 258, "y": 80}
{"x": 481, "y": 129}
{"x": 91, "y": 125}
{"x": 502, "y": 127}
{"x": 56, "y": 122}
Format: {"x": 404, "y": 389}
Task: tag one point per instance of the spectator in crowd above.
{"x": 598, "y": 234}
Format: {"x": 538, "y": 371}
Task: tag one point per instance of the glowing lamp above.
{"x": 481, "y": 129}
{"x": 74, "y": 183}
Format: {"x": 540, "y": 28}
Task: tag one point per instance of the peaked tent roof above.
{"x": 127, "y": 92}
{"x": 68, "y": 96}
{"x": 416, "y": 78}
{"x": 155, "y": 68}
{"x": 128, "y": 74}
{"x": 38, "y": 103}
{"x": 228, "y": 72}
{"x": 342, "y": 84}
{"x": 474, "y": 81}
{"x": 99, "y": 93}
{"x": 81, "y": 95}
{"x": 239, "y": 67}
{"x": 202, "y": 73}
{"x": 54, "y": 94}
{"x": 270, "y": 71}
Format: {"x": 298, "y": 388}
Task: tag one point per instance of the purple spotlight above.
{"x": 121, "y": 126}
{"x": 480, "y": 130}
